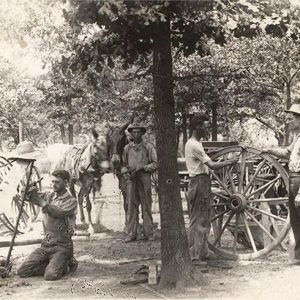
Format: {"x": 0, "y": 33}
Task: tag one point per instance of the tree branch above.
{"x": 136, "y": 75}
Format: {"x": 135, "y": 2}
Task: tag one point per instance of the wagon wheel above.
{"x": 30, "y": 212}
{"x": 249, "y": 217}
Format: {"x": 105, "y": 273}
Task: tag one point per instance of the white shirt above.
{"x": 196, "y": 158}
{"x": 294, "y": 159}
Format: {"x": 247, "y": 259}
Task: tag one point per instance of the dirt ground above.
{"x": 101, "y": 267}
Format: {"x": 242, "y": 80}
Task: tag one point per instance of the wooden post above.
{"x": 20, "y": 132}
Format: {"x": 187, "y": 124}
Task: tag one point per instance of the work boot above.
{"x": 73, "y": 265}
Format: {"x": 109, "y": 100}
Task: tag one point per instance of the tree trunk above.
{"x": 71, "y": 134}
{"x": 20, "y": 132}
{"x": 184, "y": 127}
{"x": 288, "y": 104}
{"x": 176, "y": 262}
{"x": 214, "y": 123}
{"x": 63, "y": 134}
{"x": 177, "y": 129}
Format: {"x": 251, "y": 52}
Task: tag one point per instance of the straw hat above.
{"x": 295, "y": 109}
{"x": 24, "y": 150}
{"x": 137, "y": 126}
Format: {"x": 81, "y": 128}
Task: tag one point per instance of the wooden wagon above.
{"x": 249, "y": 205}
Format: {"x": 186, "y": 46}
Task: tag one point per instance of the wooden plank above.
{"x": 217, "y": 144}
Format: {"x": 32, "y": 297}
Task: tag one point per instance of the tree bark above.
{"x": 184, "y": 127}
{"x": 176, "y": 262}
{"x": 214, "y": 125}
{"x": 288, "y": 104}
{"x": 63, "y": 134}
{"x": 71, "y": 134}
{"x": 20, "y": 132}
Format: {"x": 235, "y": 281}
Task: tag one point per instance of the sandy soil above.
{"x": 100, "y": 272}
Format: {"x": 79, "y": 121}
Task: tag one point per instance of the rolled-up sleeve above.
{"x": 152, "y": 166}
{"x": 199, "y": 153}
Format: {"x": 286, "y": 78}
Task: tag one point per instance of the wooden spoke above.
{"x": 223, "y": 228}
{"x": 280, "y": 199}
{"x": 260, "y": 225}
{"x": 263, "y": 187}
{"x": 218, "y": 204}
{"x": 254, "y": 176}
{"x": 221, "y": 183}
{"x": 236, "y": 225}
{"x": 231, "y": 179}
{"x": 266, "y": 213}
{"x": 248, "y": 231}
{"x": 219, "y": 215}
{"x": 220, "y": 195}
{"x": 242, "y": 170}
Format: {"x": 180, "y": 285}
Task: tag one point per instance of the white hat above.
{"x": 295, "y": 109}
{"x": 25, "y": 150}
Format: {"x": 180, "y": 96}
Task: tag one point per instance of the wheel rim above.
{"x": 249, "y": 208}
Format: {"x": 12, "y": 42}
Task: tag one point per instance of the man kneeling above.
{"x": 55, "y": 256}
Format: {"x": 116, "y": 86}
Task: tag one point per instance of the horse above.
{"x": 116, "y": 141}
{"x": 86, "y": 165}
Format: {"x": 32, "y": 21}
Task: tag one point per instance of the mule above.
{"x": 86, "y": 165}
{"x": 116, "y": 141}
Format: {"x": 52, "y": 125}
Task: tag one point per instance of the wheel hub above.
{"x": 237, "y": 203}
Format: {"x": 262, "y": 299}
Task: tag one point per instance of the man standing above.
{"x": 292, "y": 153}
{"x": 199, "y": 190}
{"x": 55, "y": 256}
{"x": 140, "y": 161}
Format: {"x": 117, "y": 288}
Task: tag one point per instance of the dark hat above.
{"x": 137, "y": 126}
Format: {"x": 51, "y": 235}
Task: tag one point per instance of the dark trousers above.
{"x": 50, "y": 261}
{"x": 295, "y": 212}
{"x": 199, "y": 195}
{"x": 139, "y": 193}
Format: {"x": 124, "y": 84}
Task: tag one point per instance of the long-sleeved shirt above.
{"x": 59, "y": 217}
{"x": 142, "y": 154}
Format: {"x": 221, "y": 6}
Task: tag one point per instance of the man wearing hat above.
{"x": 54, "y": 258}
{"x": 140, "y": 161}
{"x": 292, "y": 153}
{"x": 199, "y": 190}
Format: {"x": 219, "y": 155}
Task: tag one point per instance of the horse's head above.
{"x": 99, "y": 153}
{"x": 117, "y": 139}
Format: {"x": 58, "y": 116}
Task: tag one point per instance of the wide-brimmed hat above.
{"x": 137, "y": 126}
{"x": 24, "y": 150}
{"x": 295, "y": 109}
